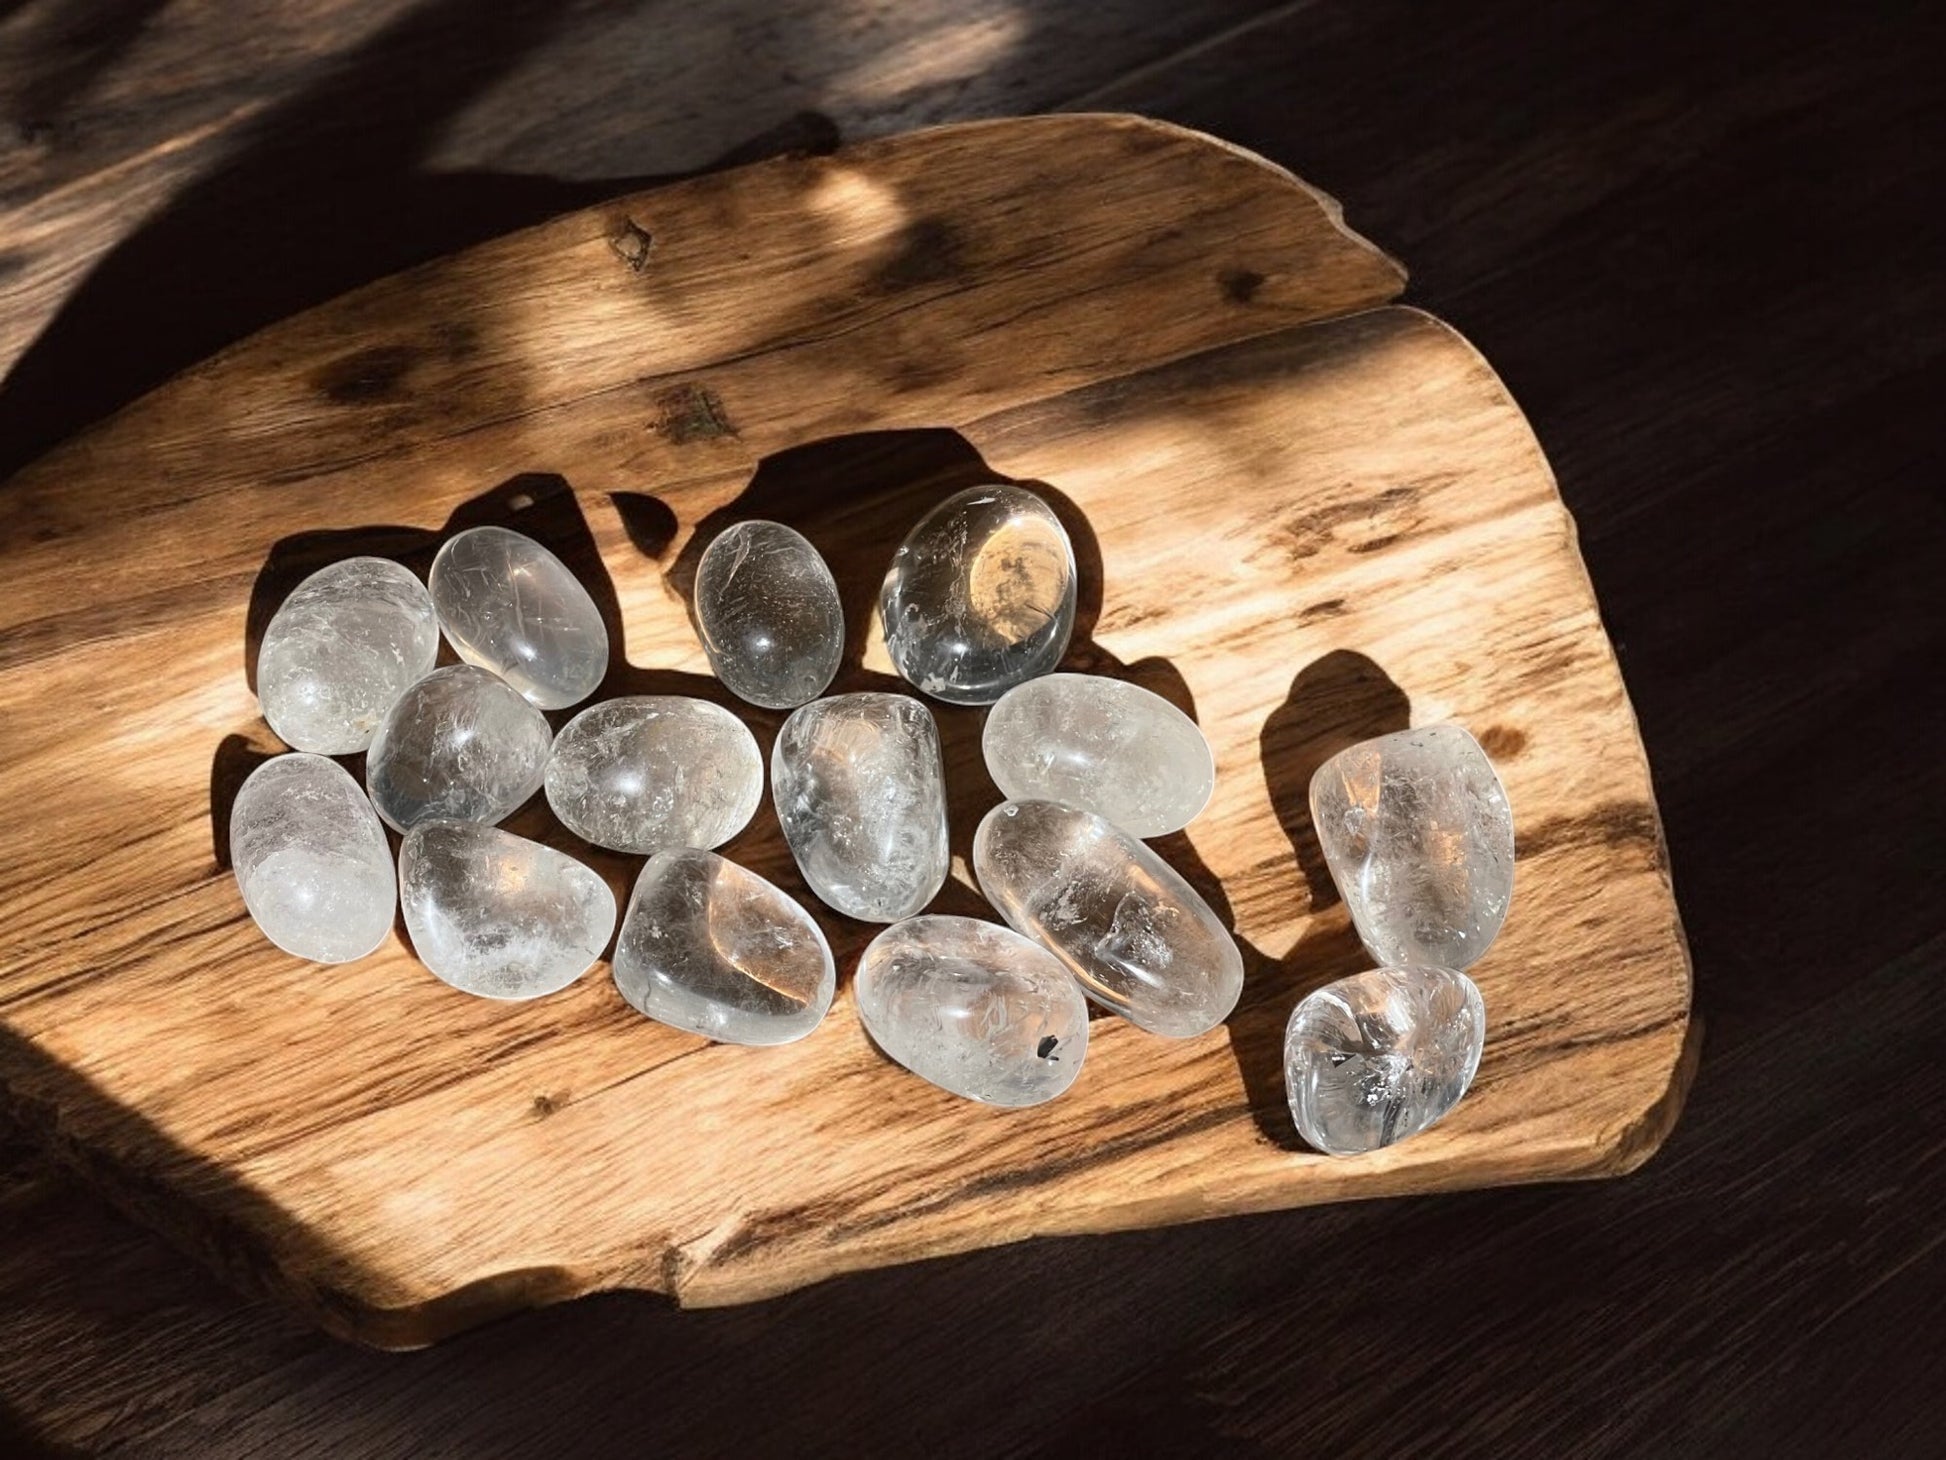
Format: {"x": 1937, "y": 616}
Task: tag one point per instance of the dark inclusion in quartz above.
{"x": 975, "y": 1008}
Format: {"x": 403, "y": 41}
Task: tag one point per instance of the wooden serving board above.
{"x": 1302, "y": 512}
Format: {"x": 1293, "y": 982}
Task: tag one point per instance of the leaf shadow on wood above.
{"x": 325, "y": 191}
{"x": 223, "y": 1222}
{"x": 1336, "y": 701}
{"x": 69, "y": 44}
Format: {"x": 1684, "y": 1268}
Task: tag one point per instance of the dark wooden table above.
{"x": 1695, "y": 241}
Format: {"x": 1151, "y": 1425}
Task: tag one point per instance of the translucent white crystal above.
{"x": 349, "y": 640}
{"x": 497, "y": 915}
{"x": 1417, "y": 834}
{"x": 769, "y": 613}
{"x": 459, "y": 745}
{"x": 862, "y": 799}
{"x": 645, "y": 772}
{"x": 1104, "y": 745}
{"x": 1138, "y": 937}
{"x": 980, "y": 596}
{"x": 975, "y": 1008}
{"x": 311, "y": 859}
{"x": 713, "y": 948}
{"x": 1379, "y": 1056}
{"x": 509, "y": 605}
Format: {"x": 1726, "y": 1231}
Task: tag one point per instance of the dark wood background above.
{"x": 1695, "y": 240}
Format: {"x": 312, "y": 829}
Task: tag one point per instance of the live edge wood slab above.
{"x": 1303, "y": 513}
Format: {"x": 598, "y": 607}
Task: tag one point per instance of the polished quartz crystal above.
{"x": 311, "y": 859}
{"x": 1137, "y": 936}
{"x": 980, "y": 596}
{"x": 975, "y": 1008}
{"x": 1416, "y": 831}
{"x": 1379, "y": 1056}
{"x": 1103, "y": 745}
{"x": 349, "y": 640}
{"x": 713, "y": 948}
{"x": 497, "y": 915}
{"x": 769, "y": 613}
{"x": 645, "y": 772}
{"x": 862, "y": 799}
{"x": 459, "y": 745}
{"x": 509, "y": 605}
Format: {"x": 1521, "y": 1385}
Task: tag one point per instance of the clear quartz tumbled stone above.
{"x": 713, "y": 948}
{"x": 975, "y": 1008}
{"x": 338, "y": 653}
{"x": 1416, "y": 831}
{"x": 980, "y": 595}
{"x": 861, "y": 796}
{"x": 1138, "y": 937}
{"x": 459, "y": 745}
{"x": 1101, "y": 744}
{"x": 497, "y": 915}
{"x": 770, "y": 616}
{"x": 1379, "y": 1056}
{"x": 645, "y": 772}
{"x": 509, "y": 605}
{"x": 311, "y": 859}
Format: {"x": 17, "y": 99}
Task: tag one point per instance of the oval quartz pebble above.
{"x": 980, "y": 596}
{"x": 711, "y": 947}
{"x": 497, "y": 915}
{"x": 646, "y": 772}
{"x": 1101, "y": 744}
{"x": 975, "y": 1008}
{"x": 1138, "y": 937}
{"x": 1417, "y": 833}
{"x": 769, "y": 613}
{"x": 509, "y": 605}
{"x": 460, "y": 745}
{"x": 1379, "y": 1056}
{"x": 311, "y": 859}
{"x": 861, "y": 795}
{"x": 337, "y": 654}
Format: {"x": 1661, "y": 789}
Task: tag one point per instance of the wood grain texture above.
{"x": 262, "y": 156}
{"x": 1308, "y": 517}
